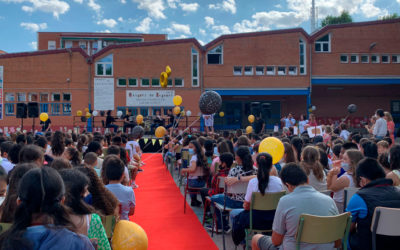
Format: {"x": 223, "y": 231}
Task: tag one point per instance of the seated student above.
{"x": 369, "y": 149}
{"x": 41, "y": 142}
{"x": 60, "y": 163}
{"x": 313, "y": 168}
{"x": 375, "y": 191}
{"x": 41, "y": 219}
{"x": 95, "y": 147}
{"x": 72, "y": 155}
{"x": 5, "y": 162}
{"x": 83, "y": 216}
{"x": 90, "y": 161}
{"x": 120, "y": 152}
{"x": 383, "y": 147}
{"x": 114, "y": 170}
{"x": 3, "y": 185}
{"x": 31, "y": 154}
{"x": 302, "y": 199}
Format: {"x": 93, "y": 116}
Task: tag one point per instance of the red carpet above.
{"x": 159, "y": 210}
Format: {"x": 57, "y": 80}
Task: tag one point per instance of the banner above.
{"x": 150, "y": 98}
{"x": 1, "y": 92}
{"x": 104, "y": 94}
{"x": 314, "y": 131}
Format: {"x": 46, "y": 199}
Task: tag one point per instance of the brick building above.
{"x": 272, "y": 73}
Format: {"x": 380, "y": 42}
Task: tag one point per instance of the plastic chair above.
{"x": 185, "y": 156}
{"x": 323, "y": 229}
{"x": 385, "y": 221}
{"x": 4, "y": 227}
{"x": 189, "y": 190}
{"x": 266, "y": 202}
{"x": 221, "y": 185}
{"x": 348, "y": 193}
{"x": 108, "y": 224}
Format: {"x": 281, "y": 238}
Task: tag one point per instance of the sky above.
{"x": 20, "y": 20}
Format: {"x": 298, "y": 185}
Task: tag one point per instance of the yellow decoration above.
{"x": 146, "y": 140}
{"x": 221, "y": 114}
{"x": 129, "y": 236}
{"x": 183, "y": 113}
{"x": 274, "y": 147}
{"x": 86, "y": 109}
{"x": 177, "y": 100}
{"x": 251, "y": 118}
{"x": 139, "y": 119}
{"x": 88, "y": 115}
{"x": 176, "y": 110}
{"x": 249, "y": 129}
{"x": 79, "y": 113}
{"x": 160, "y": 132}
{"x": 44, "y": 117}
{"x": 168, "y": 71}
{"x": 153, "y": 141}
{"x": 164, "y": 79}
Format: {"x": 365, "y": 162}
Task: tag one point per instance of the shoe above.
{"x": 140, "y": 170}
{"x": 195, "y": 203}
{"x": 209, "y": 227}
{"x": 228, "y": 230}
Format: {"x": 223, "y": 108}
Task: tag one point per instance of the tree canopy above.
{"x": 343, "y": 18}
{"x": 390, "y": 16}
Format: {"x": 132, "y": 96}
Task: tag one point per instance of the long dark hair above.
{"x": 209, "y": 148}
{"x": 247, "y": 161}
{"x": 297, "y": 143}
{"x": 201, "y": 158}
{"x": 94, "y": 146}
{"x": 264, "y": 163}
{"x": 75, "y": 158}
{"x": 57, "y": 143}
{"x": 40, "y": 192}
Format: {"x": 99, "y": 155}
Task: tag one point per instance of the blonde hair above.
{"x": 388, "y": 116}
{"x": 383, "y": 143}
{"x": 355, "y": 156}
{"x": 328, "y": 129}
{"x": 310, "y": 162}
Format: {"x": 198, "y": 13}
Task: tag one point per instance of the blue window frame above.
{"x": 55, "y": 108}
{"x": 156, "y": 109}
{"x": 9, "y": 109}
{"x": 134, "y": 110}
{"x": 44, "y": 108}
{"x": 66, "y": 108}
{"x": 144, "y": 111}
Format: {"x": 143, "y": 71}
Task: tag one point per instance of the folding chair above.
{"x": 385, "y": 221}
{"x": 185, "y": 158}
{"x": 266, "y": 202}
{"x": 4, "y": 227}
{"x": 221, "y": 185}
{"x": 323, "y": 229}
{"x": 348, "y": 193}
{"x": 189, "y": 190}
{"x": 108, "y": 224}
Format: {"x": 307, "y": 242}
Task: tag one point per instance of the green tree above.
{"x": 390, "y": 16}
{"x": 343, "y": 18}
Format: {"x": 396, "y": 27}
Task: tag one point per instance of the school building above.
{"x": 270, "y": 73}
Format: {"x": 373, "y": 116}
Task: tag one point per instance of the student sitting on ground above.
{"x": 114, "y": 170}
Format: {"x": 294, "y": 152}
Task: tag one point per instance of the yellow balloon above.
{"x": 177, "y": 110}
{"x": 274, "y": 147}
{"x": 88, "y": 115}
{"x": 86, "y": 109}
{"x": 249, "y": 129}
{"x": 129, "y": 236}
{"x": 139, "y": 119}
{"x": 251, "y": 118}
{"x": 164, "y": 79}
{"x": 79, "y": 113}
{"x": 44, "y": 117}
{"x": 160, "y": 132}
{"x": 168, "y": 70}
{"x": 183, "y": 113}
{"x": 221, "y": 114}
{"x": 177, "y": 100}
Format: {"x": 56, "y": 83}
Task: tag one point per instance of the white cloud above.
{"x": 33, "y": 45}
{"x": 144, "y": 26}
{"x": 120, "y": 19}
{"x": 202, "y": 32}
{"x": 370, "y": 10}
{"x": 105, "y": 31}
{"x": 172, "y": 3}
{"x": 279, "y": 6}
{"x": 201, "y": 42}
{"x": 179, "y": 28}
{"x": 154, "y": 8}
{"x": 34, "y": 27}
{"x": 78, "y": 1}
{"x": 56, "y": 7}
{"x": 123, "y": 1}
{"x": 209, "y": 21}
{"x": 221, "y": 29}
{"x": 94, "y": 6}
{"x": 189, "y": 7}
{"x": 226, "y": 5}
{"x": 110, "y": 23}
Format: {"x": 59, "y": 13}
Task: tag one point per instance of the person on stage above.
{"x": 259, "y": 125}
{"x": 158, "y": 121}
{"x": 130, "y": 121}
{"x": 209, "y": 123}
{"x": 46, "y": 125}
{"x": 171, "y": 120}
{"x": 110, "y": 122}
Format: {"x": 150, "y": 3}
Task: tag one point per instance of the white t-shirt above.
{"x": 301, "y": 126}
{"x": 208, "y": 120}
{"x": 131, "y": 145}
{"x": 274, "y": 185}
{"x": 345, "y": 134}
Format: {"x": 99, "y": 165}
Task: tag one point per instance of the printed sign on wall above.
{"x": 103, "y": 93}
{"x": 150, "y": 98}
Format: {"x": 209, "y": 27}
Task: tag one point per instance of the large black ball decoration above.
{"x": 210, "y": 102}
{"x": 352, "y": 108}
{"x": 137, "y": 132}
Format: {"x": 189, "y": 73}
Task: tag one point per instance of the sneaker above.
{"x": 228, "y": 230}
{"x": 140, "y": 170}
{"x": 210, "y": 228}
{"x": 195, "y": 203}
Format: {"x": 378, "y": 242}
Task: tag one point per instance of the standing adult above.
{"x": 381, "y": 127}
{"x": 46, "y": 125}
{"x": 110, "y": 122}
{"x": 209, "y": 123}
{"x": 302, "y": 124}
{"x": 289, "y": 120}
{"x": 390, "y": 125}
{"x": 259, "y": 125}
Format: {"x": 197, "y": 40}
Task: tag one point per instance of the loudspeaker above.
{"x": 21, "y": 110}
{"x": 33, "y": 110}
{"x": 255, "y": 108}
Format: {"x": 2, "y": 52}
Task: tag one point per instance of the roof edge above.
{"x": 44, "y": 52}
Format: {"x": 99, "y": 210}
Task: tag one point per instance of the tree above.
{"x": 343, "y": 18}
{"x": 390, "y": 16}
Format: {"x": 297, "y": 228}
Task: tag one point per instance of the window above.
{"x": 21, "y": 97}
{"x": 169, "y": 84}
{"x": 248, "y": 70}
{"x": 95, "y": 47}
{"x": 303, "y": 59}
{"x": 9, "y": 108}
{"x": 82, "y": 45}
{"x": 144, "y": 111}
{"x": 134, "y": 111}
{"x": 270, "y": 70}
{"x": 323, "y": 44}
{"x": 104, "y": 67}
{"x": 344, "y": 58}
{"x": 33, "y": 97}
{"x": 66, "y": 97}
{"x": 43, "y": 107}
{"x": 385, "y": 59}
{"x": 259, "y": 70}
{"x": 178, "y": 82}
{"x": 123, "y": 110}
{"x": 55, "y": 108}
{"x": 215, "y": 56}
{"x": 51, "y": 45}
{"x": 365, "y": 59}
{"x": 121, "y": 82}
{"x": 132, "y": 82}
{"x": 375, "y": 59}
{"x": 55, "y": 97}
{"x": 395, "y": 58}
{"x": 354, "y": 58}
{"x": 281, "y": 70}
{"x": 155, "y": 110}
{"x": 145, "y": 82}
{"x": 292, "y": 70}
{"x": 155, "y": 82}
{"x": 237, "y": 70}
{"x": 68, "y": 44}
{"x": 44, "y": 97}
{"x": 10, "y": 97}
{"x": 195, "y": 68}
{"x": 66, "y": 108}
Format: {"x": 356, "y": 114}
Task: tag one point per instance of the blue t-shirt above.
{"x": 357, "y": 207}
{"x": 125, "y": 196}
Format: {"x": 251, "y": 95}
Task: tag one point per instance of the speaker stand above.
{"x": 22, "y": 124}
{"x": 33, "y": 125}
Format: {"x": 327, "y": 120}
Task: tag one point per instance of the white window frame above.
{"x": 84, "y": 43}
{"x": 281, "y": 74}
{"x": 69, "y": 44}
{"x": 155, "y": 86}
{"x": 293, "y": 73}
{"x": 235, "y": 73}
{"x": 248, "y": 73}
{"x": 55, "y": 93}
{"x": 104, "y": 65}
{"x": 304, "y": 65}
{"x": 18, "y": 96}
{"x": 267, "y": 72}
{"x": 131, "y": 78}
{"x": 51, "y": 44}
{"x": 357, "y": 58}
{"x": 347, "y": 58}
{"x": 388, "y": 56}
{"x": 257, "y": 71}
{"x": 364, "y": 56}
{"x": 183, "y": 82}
{"x": 30, "y": 96}
{"x": 44, "y": 93}
{"x": 398, "y": 58}
{"x": 195, "y": 52}
{"x": 70, "y": 97}
{"x": 6, "y": 97}
{"x": 222, "y": 54}
{"x": 322, "y": 44}
{"x": 378, "y": 57}
{"x": 145, "y": 86}
{"x": 121, "y": 86}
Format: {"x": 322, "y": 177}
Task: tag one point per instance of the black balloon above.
{"x": 352, "y": 108}
{"x": 137, "y": 132}
{"x": 210, "y": 102}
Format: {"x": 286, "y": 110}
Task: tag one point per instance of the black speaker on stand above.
{"x": 33, "y": 112}
{"x": 22, "y": 112}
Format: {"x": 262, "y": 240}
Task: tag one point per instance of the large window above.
{"x": 55, "y": 108}
{"x": 169, "y": 83}
{"x": 323, "y": 44}
{"x": 195, "y": 68}
{"x": 10, "y": 97}
{"x": 260, "y": 70}
{"x": 66, "y": 97}
{"x": 51, "y": 45}
{"x": 178, "y": 82}
{"x": 375, "y": 59}
{"x": 395, "y": 58}
{"x": 104, "y": 67}
{"x": 281, "y": 70}
{"x": 56, "y": 97}
{"x": 354, "y": 58}
{"x": 215, "y": 56}
{"x": 44, "y": 107}
{"x": 292, "y": 70}
{"x": 132, "y": 82}
{"x": 248, "y": 70}
{"x": 121, "y": 82}
{"x": 302, "y": 57}
{"x": 155, "y": 82}
{"x": 145, "y": 82}
{"x": 9, "y": 108}
{"x": 237, "y": 70}
{"x": 385, "y": 59}
{"x": 270, "y": 70}
{"x": 66, "y": 108}
{"x": 344, "y": 58}
{"x": 364, "y": 58}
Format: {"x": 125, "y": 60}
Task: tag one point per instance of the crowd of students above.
{"x": 310, "y": 166}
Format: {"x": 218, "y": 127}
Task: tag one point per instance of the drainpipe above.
{"x": 310, "y": 88}
{"x": 90, "y": 120}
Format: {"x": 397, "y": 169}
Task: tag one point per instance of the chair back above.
{"x": 4, "y": 227}
{"x": 108, "y": 222}
{"x": 179, "y": 149}
{"x": 268, "y": 201}
{"x": 185, "y": 155}
{"x": 386, "y": 221}
{"x": 348, "y": 193}
{"x": 237, "y": 188}
{"x": 221, "y": 182}
{"x": 323, "y": 229}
